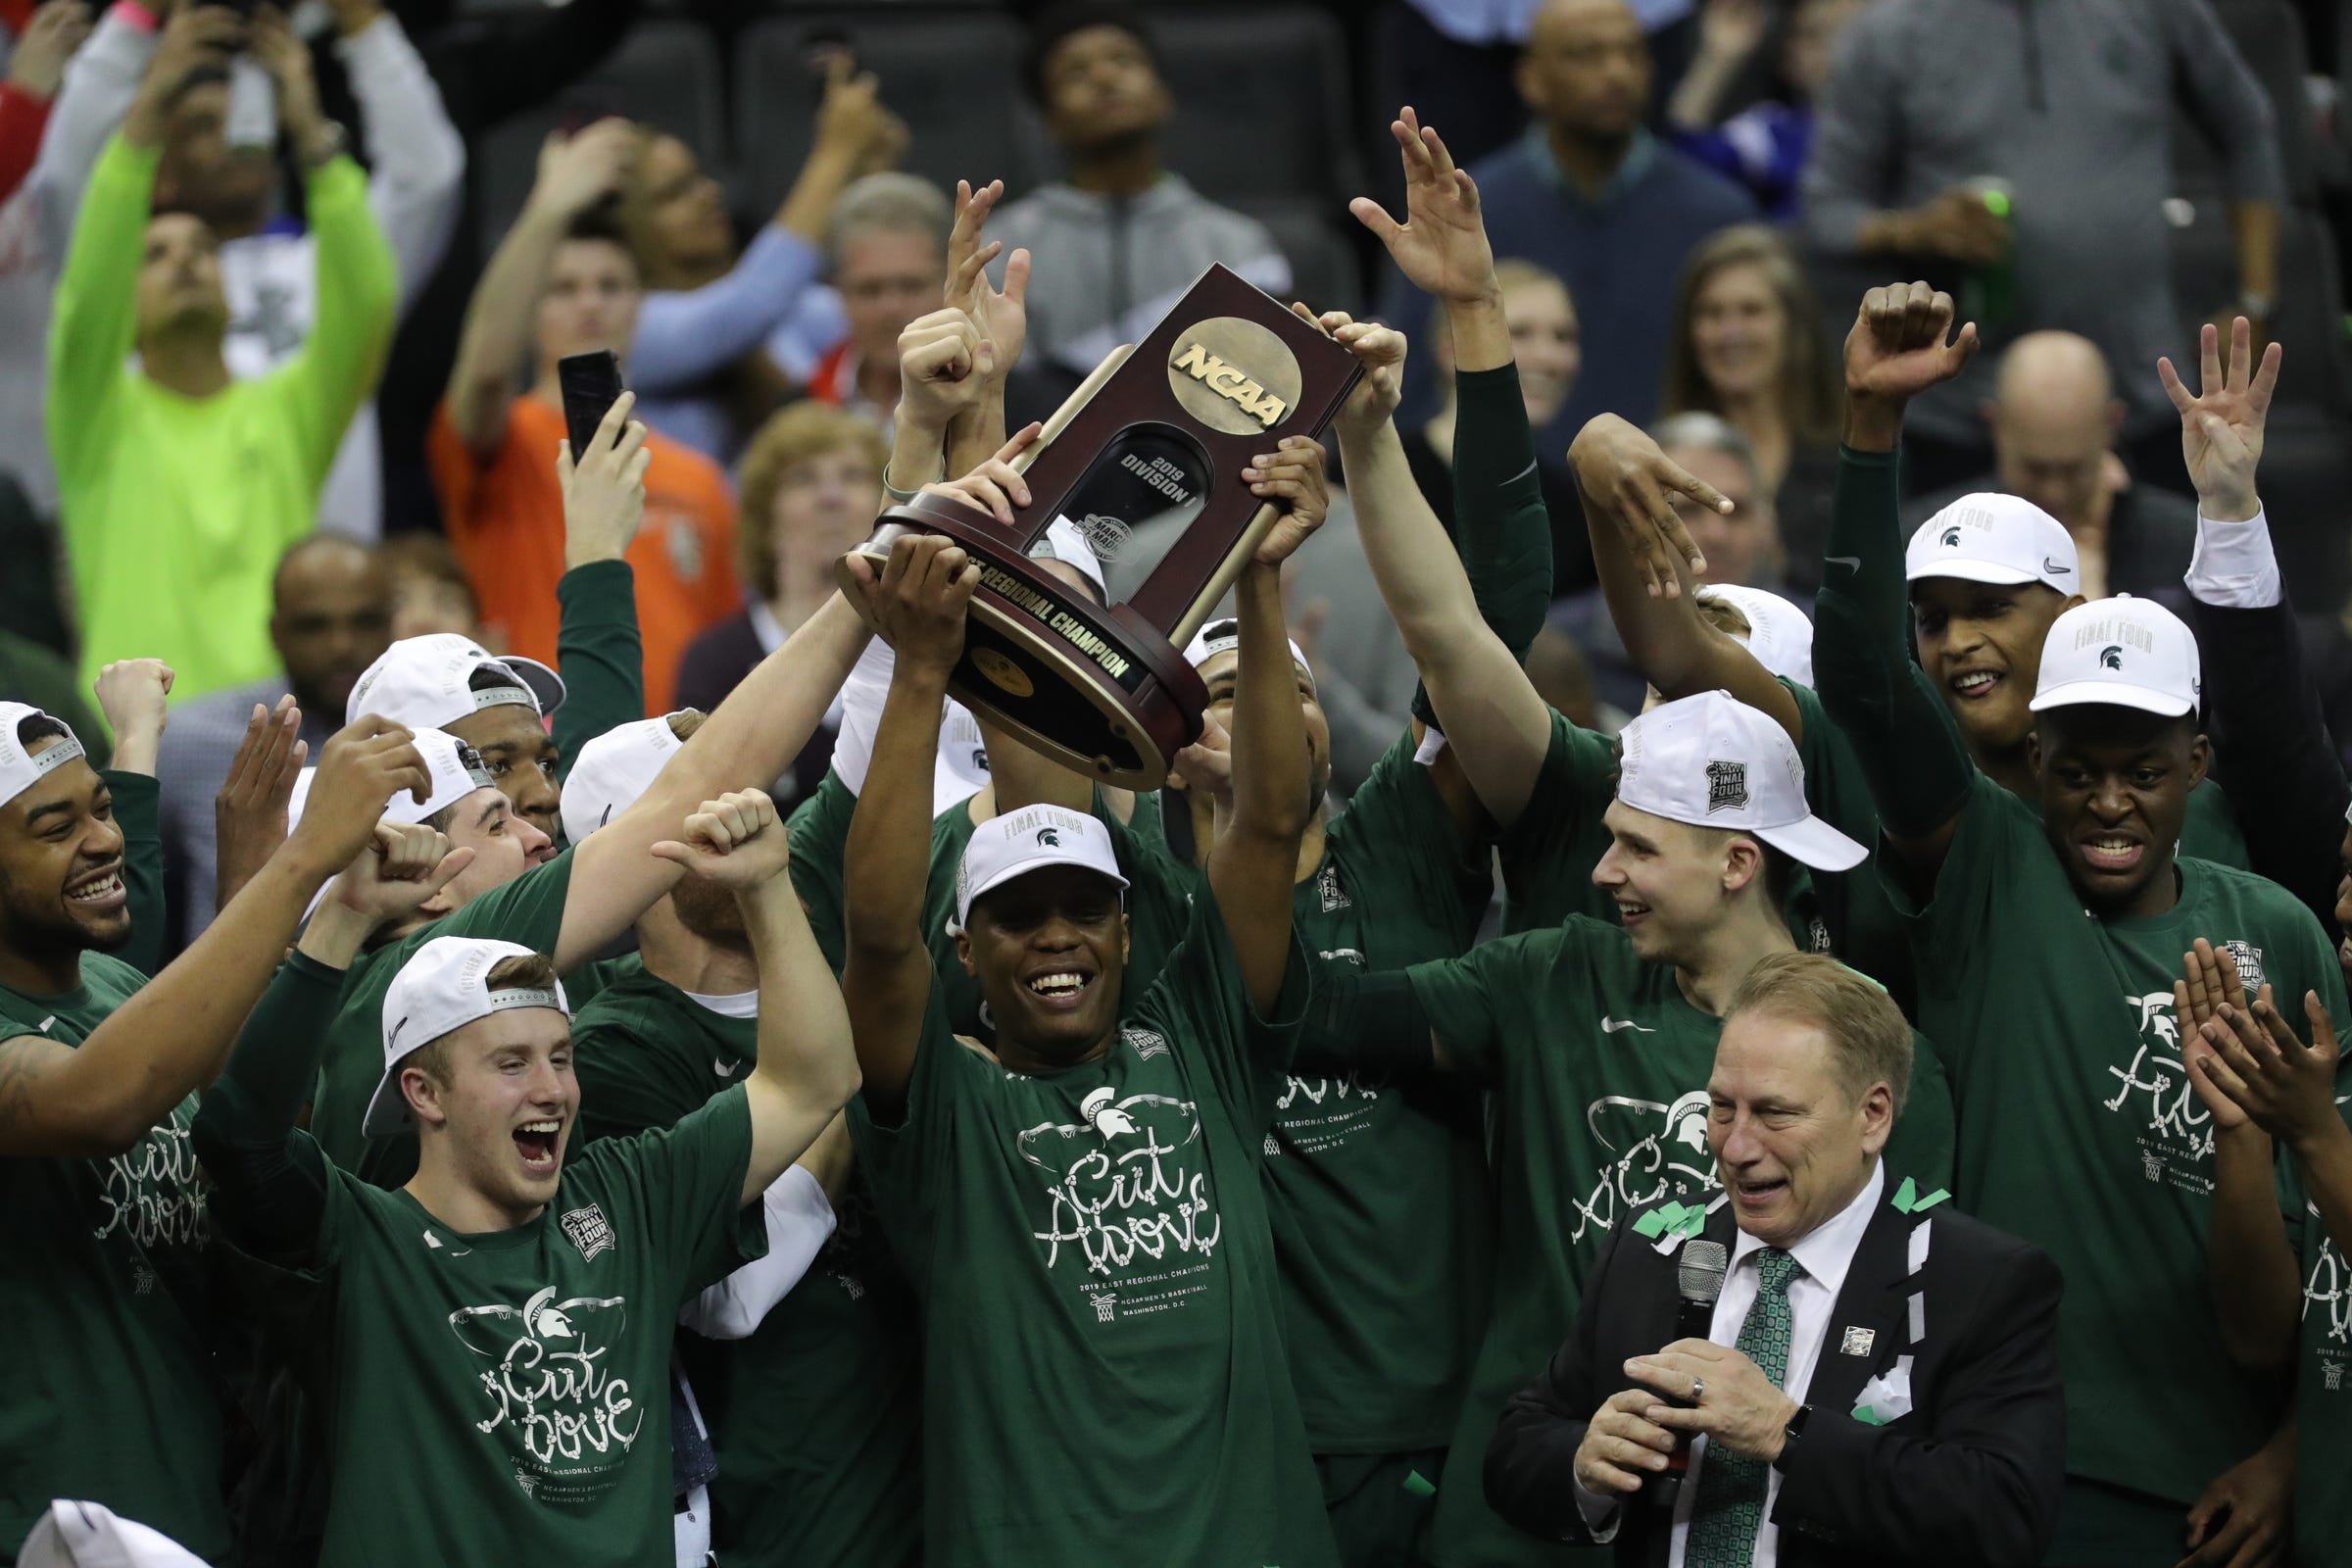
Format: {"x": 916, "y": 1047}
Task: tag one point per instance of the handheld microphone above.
{"x": 1698, "y": 1276}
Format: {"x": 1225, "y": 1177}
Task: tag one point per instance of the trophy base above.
{"x": 1098, "y": 690}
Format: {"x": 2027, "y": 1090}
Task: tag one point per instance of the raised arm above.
{"x": 358, "y": 287}
{"x": 749, "y": 742}
{"x": 101, "y": 83}
{"x": 2271, "y": 743}
{"x": 1001, "y": 316}
{"x": 684, "y": 335}
{"x": 35, "y": 67}
{"x": 1493, "y": 719}
{"x": 1253, "y": 864}
{"x": 806, "y": 1069}
{"x": 415, "y": 158}
{"x": 130, "y": 692}
{"x": 598, "y": 645}
{"x": 920, "y": 596}
{"x": 1628, "y": 485}
{"x": 99, "y": 1098}
{"x": 575, "y": 173}
{"x": 1920, "y": 773}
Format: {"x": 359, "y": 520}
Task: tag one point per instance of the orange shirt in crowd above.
{"x": 506, "y": 522}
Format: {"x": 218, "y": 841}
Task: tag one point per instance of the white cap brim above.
{"x": 1814, "y": 843}
{"x": 2112, "y": 694}
{"x": 1022, "y": 868}
{"x": 1999, "y": 573}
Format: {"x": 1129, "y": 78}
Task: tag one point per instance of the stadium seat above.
{"x": 2269, "y": 35}
{"x": 664, "y": 73}
{"x": 1326, "y": 266}
{"x": 951, "y": 78}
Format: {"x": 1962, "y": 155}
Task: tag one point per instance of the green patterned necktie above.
{"x": 1731, "y": 1490}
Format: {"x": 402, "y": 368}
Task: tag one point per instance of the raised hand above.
{"x": 1731, "y": 29}
{"x": 1001, "y": 315}
{"x": 248, "y": 813}
{"x": 995, "y": 487}
{"x": 1206, "y": 765}
{"x": 130, "y": 695}
{"x": 919, "y": 598}
{"x": 2208, "y": 982}
{"x": 287, "y": 59}
{"x": 944, "y": 362}
{"x": 1380, "y": 350}
{"x": 1627, "y": 479}
{"x": 737, "y": 842}
{"x": 1898, "y": 348}
{"x": 37, "y": 67}
{"x": 579, "y": 171}
{"x": 2253, "y": 1057}
{"x": 398, "y": 871}
{"x": 2221, "y": 426}
{"x": 850, "y": 120}
{"x": 362, "y": 767}
{"x": 603, "y": 497}
{"x": 197, "y": 38}
{"x": 1293, "y": 477}
{"x": 1441, "y": 245}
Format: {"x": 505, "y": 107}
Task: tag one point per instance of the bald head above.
{"x": 2054, "y": 415}
{"x": 1586, "y": 71}
{"x": 332, "y": 617}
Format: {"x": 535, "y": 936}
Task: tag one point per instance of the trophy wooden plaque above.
{"x": 1157, "y": 437}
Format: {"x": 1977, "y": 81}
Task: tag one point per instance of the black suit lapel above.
{"x": 1870, "y": 1325}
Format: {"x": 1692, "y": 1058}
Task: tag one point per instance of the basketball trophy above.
{"x": 1152, "y": 443}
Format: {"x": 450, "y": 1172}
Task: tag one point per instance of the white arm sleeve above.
{"x": 800, "y": 1221}
{"x": 2233, "y": 567}
{"x": 418, "y": 156}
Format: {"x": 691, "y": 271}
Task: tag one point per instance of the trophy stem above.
{"x": 1228, "y": 569}
{"x": 1071, "y": 405}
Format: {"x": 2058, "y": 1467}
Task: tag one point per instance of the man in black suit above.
{"x": 1879, "y": 1383}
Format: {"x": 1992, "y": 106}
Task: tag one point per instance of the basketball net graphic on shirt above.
{"x": 2175, "y": 1130}
{"x": 1128, "y": 1197}
{"x": 552, "y": 1390}
{"x": 1657, "y": 1152}
{"x": 151, "y": 1190}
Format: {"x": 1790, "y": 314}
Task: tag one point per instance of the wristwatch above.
{"x": 1795, "y": 1430}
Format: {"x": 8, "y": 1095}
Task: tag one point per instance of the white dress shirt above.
{"x": 2234, "y": 566}
{"x": 1824, "y": 1255}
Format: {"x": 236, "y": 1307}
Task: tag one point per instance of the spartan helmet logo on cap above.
{"x": 2110, "y": 657}
{"x": 1050, "y": 836}
{"x": 1726, "y": 786}
{"x": 1951, "y": 537}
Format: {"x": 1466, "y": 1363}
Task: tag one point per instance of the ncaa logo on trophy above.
{"x": 1144, "y": 462}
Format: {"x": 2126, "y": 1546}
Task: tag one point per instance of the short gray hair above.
{"x": 1711, "y": 432}
{"x": 893, "y": 203}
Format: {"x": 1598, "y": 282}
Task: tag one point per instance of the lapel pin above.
{"x": 1858, "y": 1342}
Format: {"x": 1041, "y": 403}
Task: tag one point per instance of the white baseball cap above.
{"x": 21, "y": 769}
{"x": 441, "y": 987}
{"x": 1778, "y": 634}
{"x": 1218, "y": 636}
{"x": 2131, "y": 653}
{"x": 1713, "y": 762}
{"x": 1989, "y": 537}
{"x": 613, "y": 771}
{"x": 455, "y": 769}
{"x": 426, "y": 682}
{"x": 89, "y": 1535}
{"x": 1065, "y": 540}
{"x": 1030, "y": 839}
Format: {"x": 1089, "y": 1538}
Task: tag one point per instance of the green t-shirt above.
{"x": 1549, "y": 853}
{"x": 111, "y": 1395}
{"x": 1158, "y": 905}
{"x": 819, "y": 828}
{"x": 817, "y": 1423}
{"x": 505, "y": 1397}
{"x": 1377, "y": 1189}
{"x": 2323, "y": 1400}
{"x": 1600, "y": 1067}
{"x": 1103, "y": 1354}
{"x": 2079, "y": 1130}
{"x": 2210, "y": 830}
{"x": 529, "y": 911}
{"x": 1857, "y": 922}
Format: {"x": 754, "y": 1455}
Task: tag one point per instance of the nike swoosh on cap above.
{"x": 1610, "y": 1026}
{"x": 2055, "y": 569}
